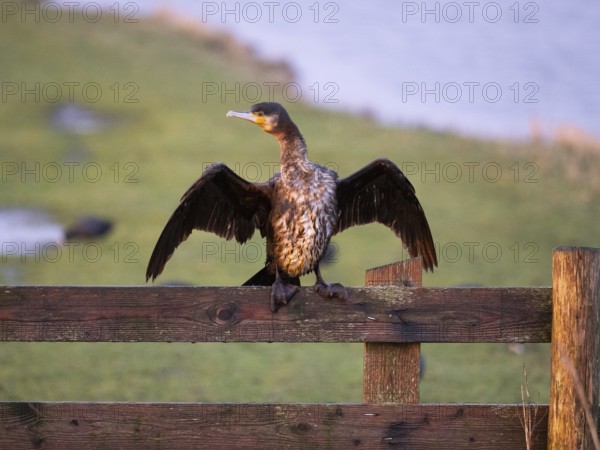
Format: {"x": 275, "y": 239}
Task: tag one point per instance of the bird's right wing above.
{"x": 220, "y": 202}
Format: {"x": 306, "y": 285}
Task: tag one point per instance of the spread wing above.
{"x": 379, "y": 192}
{"x": 219, "y": 201}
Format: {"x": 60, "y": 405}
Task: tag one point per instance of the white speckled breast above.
{"x": 305, "y": 221}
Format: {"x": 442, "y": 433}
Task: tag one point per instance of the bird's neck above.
{"x": 293, "y": 160}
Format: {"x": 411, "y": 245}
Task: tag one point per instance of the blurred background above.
{"x": 110, "y": 110}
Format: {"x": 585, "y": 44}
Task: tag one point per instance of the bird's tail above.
{"x": 263, "y": 277}
{"x": 266, "y": 277}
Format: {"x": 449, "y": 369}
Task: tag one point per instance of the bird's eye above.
{"x": 260, "y": 113}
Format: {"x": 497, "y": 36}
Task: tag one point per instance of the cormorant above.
{"x": 298, "y": 210}
{"x": 88, "y": 228}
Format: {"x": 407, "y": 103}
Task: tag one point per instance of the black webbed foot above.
{"x": 331, "y": 290}
{"x": 282, "y": 293}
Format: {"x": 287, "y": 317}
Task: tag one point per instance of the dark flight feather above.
{"x": 220, "y": 202}
{"x": 379, "y": 192}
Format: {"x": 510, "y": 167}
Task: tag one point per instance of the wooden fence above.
{"x": 392, "y": 316}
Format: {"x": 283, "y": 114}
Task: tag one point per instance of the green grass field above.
{"x": 496, "y": 209}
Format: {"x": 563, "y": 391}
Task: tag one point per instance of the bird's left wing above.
{"x": 379, "y": 192}
{"x": 220, "y": 202}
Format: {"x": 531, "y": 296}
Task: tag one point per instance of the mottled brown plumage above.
{"x": 298, "y": 210}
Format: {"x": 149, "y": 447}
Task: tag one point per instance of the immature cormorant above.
{"x": 297, "y": 210}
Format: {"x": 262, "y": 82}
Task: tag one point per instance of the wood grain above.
{"x": 173, "y": 426}
{"x": 391, "y": 370}
{"x": 242, "y": 314}
{"x": 575, "y": 352}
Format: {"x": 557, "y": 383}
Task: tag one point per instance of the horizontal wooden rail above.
{"x": 236, "y": 314}
{"x": 127, "y": 426}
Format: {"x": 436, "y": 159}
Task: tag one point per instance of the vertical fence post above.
{"x": 391, "y": 370}
{"x": 575, "y": 358}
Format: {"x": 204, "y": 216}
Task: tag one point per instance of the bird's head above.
{"x": 270, "y": 116}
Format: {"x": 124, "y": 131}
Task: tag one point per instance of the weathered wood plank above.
{"x": 242, "y": 314}
{"x": 391, "y": 370}
{"x": 125, "y": 426}
{"x": 575, "y": 357}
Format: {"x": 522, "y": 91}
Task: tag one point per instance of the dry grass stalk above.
{"x": 528, "y": 418}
